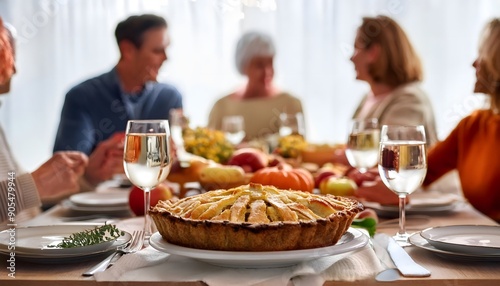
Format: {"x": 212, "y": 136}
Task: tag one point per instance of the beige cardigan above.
{"x": 261, "y": 115}
{"x": 406, "y": 105}
{"x": 26, "y": 200}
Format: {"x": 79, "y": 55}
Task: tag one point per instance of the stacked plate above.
{"x": 422, "y": 203}
{"x": 105, "y": 202}
{"x": 466, "y": 242}
{"x": 39, "y": 244}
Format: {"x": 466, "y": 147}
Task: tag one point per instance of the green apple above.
{"x": 338, "y": 186}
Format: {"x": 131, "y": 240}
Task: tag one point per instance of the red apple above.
{"x": 249, "y": 159}
{"x": 136, "y": 198}
{"x": 338, "y": 186}
{"x": 321, "y": 175}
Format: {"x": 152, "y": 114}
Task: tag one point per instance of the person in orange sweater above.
{"x": 473, "y": 146}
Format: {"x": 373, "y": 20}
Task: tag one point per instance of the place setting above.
{"x": 63, "y": 243}
{"x": 461, "y": 242}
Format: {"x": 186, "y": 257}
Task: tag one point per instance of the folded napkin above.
{"x": 152, "y": 265}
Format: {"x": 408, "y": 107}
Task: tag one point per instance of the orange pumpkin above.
{"x": 283, "y": 176}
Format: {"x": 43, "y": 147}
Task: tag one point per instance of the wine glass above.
{"x": 402, "y": 165}
{"x": 291, "y": 124}
{"x": 146, "y": 158}
{"x": 178, "y": 121}
{"x": 234, "y": 128}
{"x": 363, "y": 142}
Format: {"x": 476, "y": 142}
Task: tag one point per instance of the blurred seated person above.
{"x": 95, "y": 112}
{"x": 472, "y": 147}
{"x": 385, "y": 59}
{"x": 260, "y": 102}
{"x": 22, "y": 193}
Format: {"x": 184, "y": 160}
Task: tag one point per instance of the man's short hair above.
{"x": 133, "y": 28}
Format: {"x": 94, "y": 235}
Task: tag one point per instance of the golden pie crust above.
{"x": 255, "y": 218}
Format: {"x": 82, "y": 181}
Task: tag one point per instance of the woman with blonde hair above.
{"x": 473, "y": 146}
{"x": 385, "y": 59}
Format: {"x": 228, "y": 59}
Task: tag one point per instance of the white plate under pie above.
{"x": 417, "y": 240}
{"x": 351, "y": 240}
{"x": 469, "y": 239}
{"x": 32, "y": 242}
{"x": 104, "y": 199}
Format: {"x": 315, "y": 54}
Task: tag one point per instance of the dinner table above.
{"x": 445, "y": 270}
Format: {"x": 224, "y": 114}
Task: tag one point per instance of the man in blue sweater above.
{"x": 95, "y": 112}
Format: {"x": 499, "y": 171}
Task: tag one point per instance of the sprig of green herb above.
{"x": 368, "y": 223}
{"x": 97, "y": 235}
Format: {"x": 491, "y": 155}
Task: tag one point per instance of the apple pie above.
{"x": 255, "y": 218}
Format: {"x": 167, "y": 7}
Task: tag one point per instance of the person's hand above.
{"x": 376, "y": 191}
{"x": 340, "y": 157}
{"x": 60, "y": 175}
{"x": 106, "y": 160}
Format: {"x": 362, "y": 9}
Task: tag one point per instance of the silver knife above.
{"x": 405, "y": 264}
{"x": 103, "y": 265}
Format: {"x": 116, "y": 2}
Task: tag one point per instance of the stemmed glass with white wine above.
{"x": 363, "y": 143}
{"x": 402, "y": 165}
{"x": 291, "y": 124}
{"x": 146, "y": 158}
{"x": 234, "y": 128}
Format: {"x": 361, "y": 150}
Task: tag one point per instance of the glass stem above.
{"x": 147, "y": 218}
{"x": 402, "y": 215}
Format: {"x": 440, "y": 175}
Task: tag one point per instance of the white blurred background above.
{"x": 62, "y": 42}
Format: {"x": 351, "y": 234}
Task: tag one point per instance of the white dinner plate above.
{"x": 33, "y": 241}
{"x": 421, "y": 203}
{"x": 469, "y": 239}
{"x": 389, "y": 211}
{"x": 417, "y": 240}
{"x": 351, "y": 240}
{"x": 104, "y": 199}
{"x": 95, "y": 209}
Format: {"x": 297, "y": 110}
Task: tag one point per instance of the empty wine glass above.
{"x": 402, "y": 165}
{"x": 234, "y": 128}
{"x": 146, "y": 158}
{"x": 291, "y": 124}
{"x": 363, "y": 143}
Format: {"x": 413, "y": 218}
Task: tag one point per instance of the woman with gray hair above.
{"x": 259, "y": 102}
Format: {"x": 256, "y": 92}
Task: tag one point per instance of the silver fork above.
{"x": 135, "y": 245}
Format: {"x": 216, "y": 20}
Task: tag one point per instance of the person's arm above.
{"x": 17, "y": 193}
{"x": 443, "y": 156}
{"x": 60, "y": 176}
{"x": 76, "y": 131}
{"x": 405, "y": 109}
{"x": 177, "y": 102}
{"x": 105, "y": 161}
